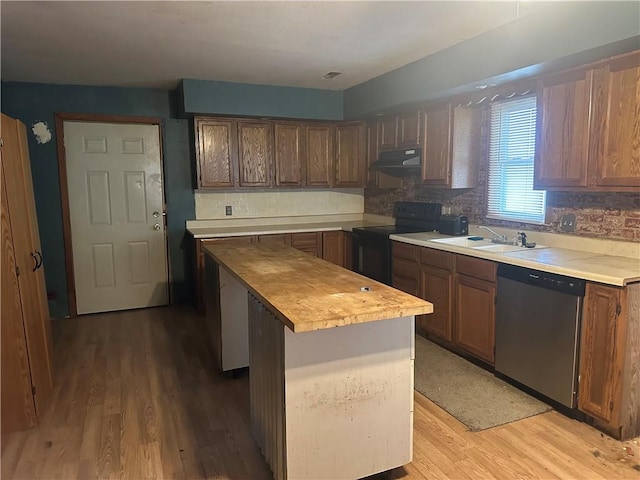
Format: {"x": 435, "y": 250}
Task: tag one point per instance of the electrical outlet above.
{"x": 568, "y": 222}
{"x": 228, "y": 210}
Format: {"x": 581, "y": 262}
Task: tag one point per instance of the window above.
{"x": 512, "y": 139}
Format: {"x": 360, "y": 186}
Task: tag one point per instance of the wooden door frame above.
{"x": 60, "y": 118}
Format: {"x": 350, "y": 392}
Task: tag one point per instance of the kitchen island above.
{"x": 331, "y": 362}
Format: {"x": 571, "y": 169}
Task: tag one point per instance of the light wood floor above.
{"x": 136, "y": 397}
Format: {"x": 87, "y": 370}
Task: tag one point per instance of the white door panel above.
{"x": 115, "y": 203}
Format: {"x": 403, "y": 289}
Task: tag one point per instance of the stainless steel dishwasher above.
{"x": 538, "y": 331}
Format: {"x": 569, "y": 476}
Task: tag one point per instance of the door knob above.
{"x": 156, "y": 226}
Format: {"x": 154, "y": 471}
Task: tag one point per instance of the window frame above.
{"x": 528, "y": 205}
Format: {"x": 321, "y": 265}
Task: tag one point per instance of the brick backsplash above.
{"x": 607, "y": 215}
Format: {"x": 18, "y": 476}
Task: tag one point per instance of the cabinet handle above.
{"x": 35, "y": 259}
{"x": 39, "y": 255}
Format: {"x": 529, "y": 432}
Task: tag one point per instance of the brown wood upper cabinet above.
{"x": 372, "y": 177}
{"x": 451, "y": 146}
{"x": 350, "y": 152}
{"x": 400, "y": 130}
{"x": 255, "y": 153}
{"x": 234, "y": 153}
{"x": 562, "y": 133}
{"x": 320, "y": 155}
{"x": 216, "y": 152}
{"x": 588, "y": 126}
{"x": 289, "y": 154}
{"x": 388, "y": 133}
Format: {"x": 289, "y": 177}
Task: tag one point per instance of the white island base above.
{"x": 333, "y": 403}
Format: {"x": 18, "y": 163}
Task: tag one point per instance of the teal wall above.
{"x": 224, "y": 98}
{"x": 575, "y": 33}
{"x": 30, "y": 103}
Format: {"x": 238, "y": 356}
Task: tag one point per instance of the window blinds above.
{"x": 512, "y": 140}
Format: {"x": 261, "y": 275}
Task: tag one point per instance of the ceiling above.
{"x": 155, "y": 44}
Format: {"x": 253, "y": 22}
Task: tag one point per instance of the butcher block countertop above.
{"x": 307, "y": 293}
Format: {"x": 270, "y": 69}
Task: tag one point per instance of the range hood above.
{"x": 398, "y": 163}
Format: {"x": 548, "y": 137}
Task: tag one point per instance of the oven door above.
{"x": 372, "y": 255}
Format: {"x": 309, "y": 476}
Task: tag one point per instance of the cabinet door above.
{"x": 24, "y": 225}
{"x": 320, "y": 154}
{"x": 475, "y": 316}
{"x": 602, "y": 352}
{"x": 409, "y": 129}
{"x": 436, "y": 286}
{"x": 289, "y": 154}
{"x": 562, "y": 140}
{"x": 333, "y": 248}
{"x": 310, "y": 243}
{"x": 18, "y": 410}
{"x": 373, "y": 129}
{"x": 199, "y": 265}
{"x": 255, "y": 160}
{"x": 373, "y": 178}
{"x": 436, "y": 154}
{"x": 388, "y": 134}
{"x": 215, "y": 153}
{"x": 350, "y": 151}
{"x": 615, "y": 128}
{"x": 405, "y": 269}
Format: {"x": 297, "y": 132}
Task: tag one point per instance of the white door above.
{"x": 117, "y": 226}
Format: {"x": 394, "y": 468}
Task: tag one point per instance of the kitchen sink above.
{"x": 485, "y": 245}
{"x": 463, "y": 242}
{"x": 499, "y": 248}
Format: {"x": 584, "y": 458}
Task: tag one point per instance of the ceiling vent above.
{"x": 330, "y": 75}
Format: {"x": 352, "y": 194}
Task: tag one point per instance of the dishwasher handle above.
{"x": 550, "y": 281}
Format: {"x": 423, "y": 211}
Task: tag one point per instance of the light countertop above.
{"x": 598, "y": 260}
{"x": 204, "y": 229}
{"x": 307, "y": 293}
{"x": 592, "y": 266}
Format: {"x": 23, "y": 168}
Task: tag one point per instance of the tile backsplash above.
{"x": 278, "y": 203}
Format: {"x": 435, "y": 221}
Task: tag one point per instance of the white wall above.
{"x": 279, "y": 203}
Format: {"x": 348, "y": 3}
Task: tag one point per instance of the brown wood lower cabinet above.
{"x": 436, "y": 284}
{"x": 609, "y": 388}
{"x": 308, "y": 242}
{"x": 336, "y": 248}
{"x": 475, "y": 311}
{"x": 199, "y": 264}
{"x": 462, "y": 290}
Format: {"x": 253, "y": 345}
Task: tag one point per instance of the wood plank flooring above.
{"x": 136, "y": 396}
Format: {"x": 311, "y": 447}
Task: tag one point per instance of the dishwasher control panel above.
{"x": 551, "y": 281}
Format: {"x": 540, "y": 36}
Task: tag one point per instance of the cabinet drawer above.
{"x": 476, "y": 267}
{"x": 407, "y": 285}
{"x": 402, "y": 267}
{"x": 404, "y": 250}
{"x": 436, "y": 258}
{"x": 302, "y": 240}
{"x": 308, "y": 242}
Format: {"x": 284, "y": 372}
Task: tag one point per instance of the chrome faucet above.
{"x": 498, "y": 238}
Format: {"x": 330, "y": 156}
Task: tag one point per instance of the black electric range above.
{"x": 372, "y": 246}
